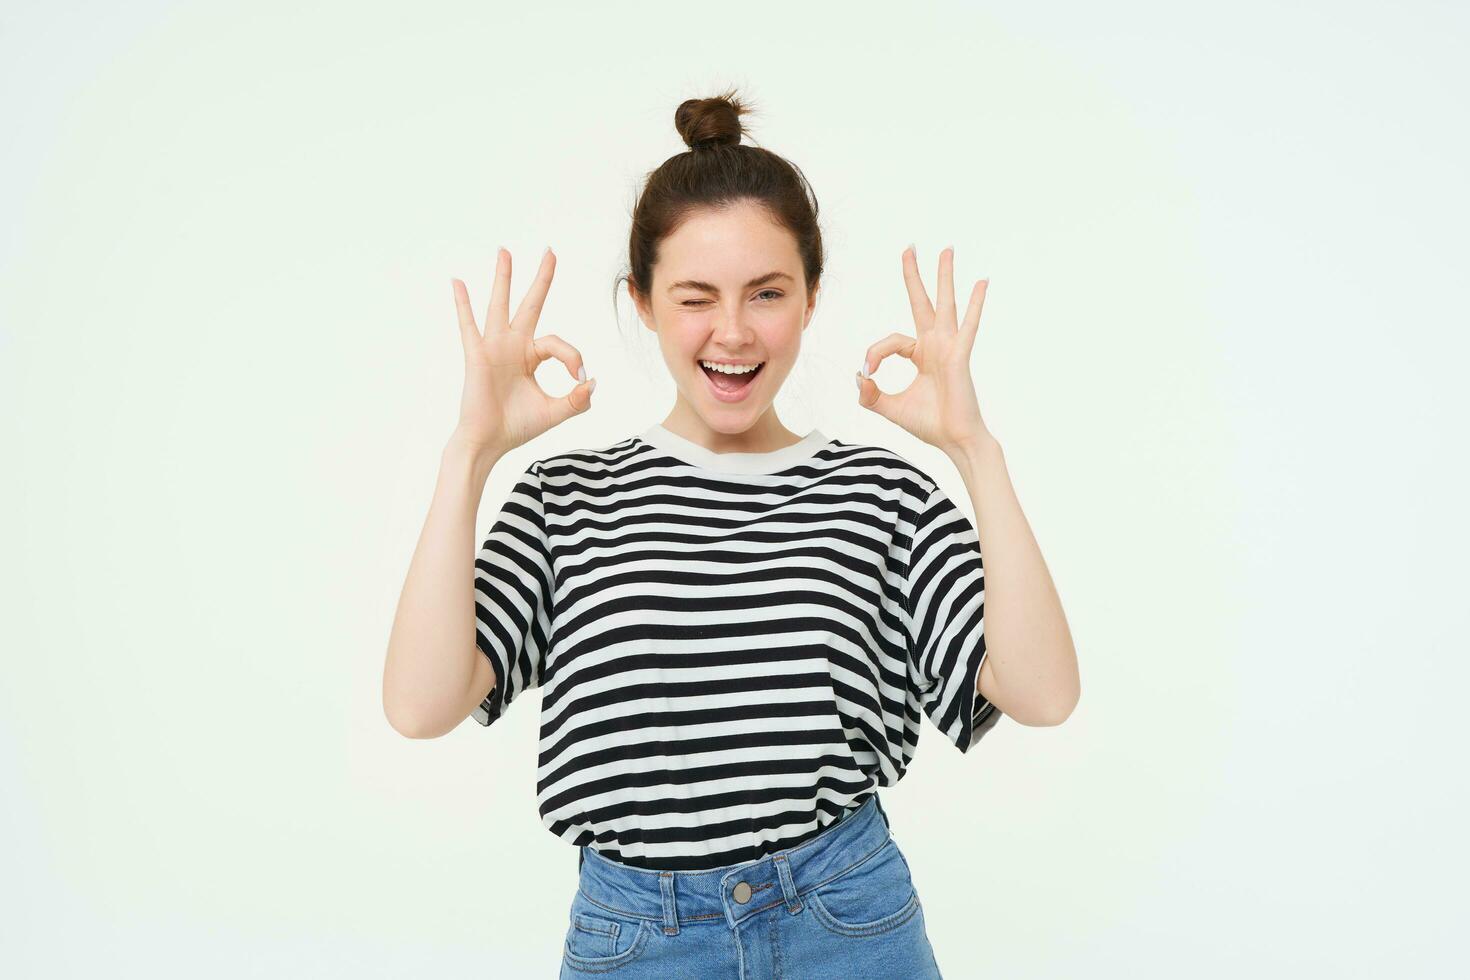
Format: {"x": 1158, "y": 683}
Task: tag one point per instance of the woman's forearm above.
{"x": 432, "y": 656}
{"x": 1030, "y": 669}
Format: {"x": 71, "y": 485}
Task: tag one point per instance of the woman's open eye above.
{"x": 777, "y": 293}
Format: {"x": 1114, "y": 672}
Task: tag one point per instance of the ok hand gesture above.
{"x": 939, "y": 406}
{"x": 502, "y": 406}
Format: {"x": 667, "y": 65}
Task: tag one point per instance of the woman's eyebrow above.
{"x": 711, "y": 288}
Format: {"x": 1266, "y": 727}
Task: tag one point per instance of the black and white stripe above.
{"x": 732, "y": 649}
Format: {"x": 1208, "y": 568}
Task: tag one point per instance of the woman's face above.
{"x": 728, "y": 287}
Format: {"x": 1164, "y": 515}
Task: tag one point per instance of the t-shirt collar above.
{"x": 769, "y": 462}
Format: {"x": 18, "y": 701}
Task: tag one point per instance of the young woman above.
{"x": 735, "y": 627}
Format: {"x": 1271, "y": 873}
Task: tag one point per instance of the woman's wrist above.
{"x": 978, "y": 446}
{"x": 465, "y": 450}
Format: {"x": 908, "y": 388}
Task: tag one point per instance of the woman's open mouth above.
{"x": 730, "y": 382}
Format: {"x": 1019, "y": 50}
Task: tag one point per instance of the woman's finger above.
{"x": 469, "y": 334}
{"x": 497, "y": 314}
{"x": 579, "y": 398}
{"x": 918, "y": 297}
{"x": 529, "y": 310}
{"x": 553, "y": 346}
{"x": 895, "y": 343}
{"x": 971, "y": 326}
{"x": 944, "y": 308}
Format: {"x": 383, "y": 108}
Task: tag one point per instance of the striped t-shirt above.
{"x": 732, "y": 648}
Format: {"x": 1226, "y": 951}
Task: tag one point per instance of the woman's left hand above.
{"x": 939, "y": 406}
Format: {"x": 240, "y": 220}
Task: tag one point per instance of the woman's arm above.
{"x": 1030, "y": 666}
{"x": 434, "y": 673}
{"x": 1030, "y": 669}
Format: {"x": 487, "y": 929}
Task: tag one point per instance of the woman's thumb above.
{"x": 871, "y": 397}
{"x": 580, "y": 397}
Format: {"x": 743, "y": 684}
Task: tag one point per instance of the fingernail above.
{"x": 864, "y": 373}
{"x": 547, "y": 252}
{"x": 915, "y": 250}
{"x": 591, "y": 386}
{"x": 582, "y": 373}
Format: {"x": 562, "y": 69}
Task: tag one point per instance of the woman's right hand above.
{"x": 502, "y": 406}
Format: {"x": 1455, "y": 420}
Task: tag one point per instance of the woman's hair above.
{"x": 718, "y": 171}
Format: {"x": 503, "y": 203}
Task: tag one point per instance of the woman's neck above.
{"x": 767, "y": 434}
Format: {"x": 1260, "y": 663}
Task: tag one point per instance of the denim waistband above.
{"x": 674, "y": 898}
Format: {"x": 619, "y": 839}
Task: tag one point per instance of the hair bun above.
{"x": 711, "y": 122}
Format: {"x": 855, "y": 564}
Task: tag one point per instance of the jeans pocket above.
{"x": 871, "y": 898}
{"x": 600, "y": 939}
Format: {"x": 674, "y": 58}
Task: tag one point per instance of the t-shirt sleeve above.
{"x": 513, "y": 595}
{"x": 944, "y": 592}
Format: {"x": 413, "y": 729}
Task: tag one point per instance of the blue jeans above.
{"x": 837, "y": 906}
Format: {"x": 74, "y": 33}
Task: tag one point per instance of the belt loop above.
{"x": 671, "y": 912}
{"x": 788, "y": 884}
{"x": 879, "y": 801}
{"x": 581, "y": 856}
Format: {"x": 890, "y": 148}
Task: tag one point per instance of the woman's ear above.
{"x": 644, "y": 313}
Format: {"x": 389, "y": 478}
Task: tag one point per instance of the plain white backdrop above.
{"x": 1224, "y": 350}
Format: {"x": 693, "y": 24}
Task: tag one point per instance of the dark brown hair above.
{"x": 718, "y": 171}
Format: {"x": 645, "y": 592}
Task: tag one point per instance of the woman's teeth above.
{"x": 730, "y": 377}
{"x": 730, "y": 368}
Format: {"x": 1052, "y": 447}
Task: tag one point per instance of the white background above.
{"x": 1224, "y": 350}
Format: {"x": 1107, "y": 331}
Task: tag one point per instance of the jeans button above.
{"x": 742, "y": 892}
